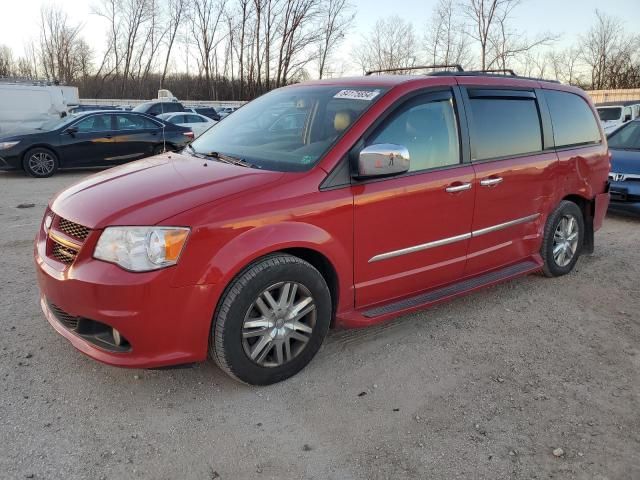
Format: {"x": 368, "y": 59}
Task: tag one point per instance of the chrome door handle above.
{"x": 458, "y": 188}
{"x": 488, "y": 182}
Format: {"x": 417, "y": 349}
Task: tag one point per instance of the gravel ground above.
{"x": 484, "y": 387}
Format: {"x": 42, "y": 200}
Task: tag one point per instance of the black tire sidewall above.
{"x": 240, "y": 365}
{"x": 551, "y": 268}
{"x": 25, "y": 162}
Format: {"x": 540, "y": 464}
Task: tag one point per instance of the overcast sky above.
{"x": 19, "y": 18}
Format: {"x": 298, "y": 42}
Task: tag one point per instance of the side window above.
{"x": 573, "y": 121}
{"x": 193, "y": 119}
{"x": 94, "y": 123}
{"x": 133, "y": 122}
{"x": 428, "y": 129}
{"x": 504, "y": 127}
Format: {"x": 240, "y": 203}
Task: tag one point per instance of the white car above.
{"x": 196, "y": 122}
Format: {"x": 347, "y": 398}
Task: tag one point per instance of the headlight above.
{"x": 141, "y": 249}
{"x": 5, "y": 145}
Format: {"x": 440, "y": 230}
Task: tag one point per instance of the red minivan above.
{"x": 334, "y": 203}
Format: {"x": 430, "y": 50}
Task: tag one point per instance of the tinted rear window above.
{"x": 573, "y": 121}
{"x": 504, "y": 127}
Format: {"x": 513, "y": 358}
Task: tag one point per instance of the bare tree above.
{"x": 335, "y": 19}
{"x": 390, "y": 44}
{"x": 206, "y": 16}
{"x": 60, "y": 45}
{"x": 7, "y": 67}
{"x": 446, "y": 41}
{"x": 610, "y": 53}
{"x": 176, "y": 12}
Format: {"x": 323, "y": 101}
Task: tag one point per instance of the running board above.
{"x": 454, "y": 289}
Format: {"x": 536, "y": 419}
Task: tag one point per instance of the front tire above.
{"x": 563, "y": 239}
{"x": 271, "y": 320}
{"x": 40, "y": 162}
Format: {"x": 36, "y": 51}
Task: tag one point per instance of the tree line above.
{"x": 239, "y": 49}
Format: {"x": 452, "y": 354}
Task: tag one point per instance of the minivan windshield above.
{"x": 610, "y": 113}
{"x": 288, "y": 129}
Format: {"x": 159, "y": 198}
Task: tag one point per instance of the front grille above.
{"x": 72, "y": 229}
{"x": 63, "y": 317}
{"x": 62, "y": 254}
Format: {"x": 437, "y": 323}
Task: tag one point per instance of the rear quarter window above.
{"x": 574, "y": 123}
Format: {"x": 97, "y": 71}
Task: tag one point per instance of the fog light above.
{"x": 117, "y": 339}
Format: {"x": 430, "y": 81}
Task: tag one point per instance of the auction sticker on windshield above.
{"x": 367, "y": 95}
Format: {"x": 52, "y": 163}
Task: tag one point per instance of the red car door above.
{"x": 412, "y": 231}
{"x": 516, "y": 178}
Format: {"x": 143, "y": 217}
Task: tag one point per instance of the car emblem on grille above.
{"x": 618, "y": 177}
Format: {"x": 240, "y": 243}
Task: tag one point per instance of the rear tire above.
{"x": 40, "y": 162}
{"x": 271, "y": 320}
{"x": 563, "y": 239}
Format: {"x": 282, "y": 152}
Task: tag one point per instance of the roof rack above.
{"x": 500, "y": 72}
{"x": 421, "y": 67}
{"x": 459, "y": 71}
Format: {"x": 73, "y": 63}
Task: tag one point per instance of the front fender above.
{"x": 231, "y": 258}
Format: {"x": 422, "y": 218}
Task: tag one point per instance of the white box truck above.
{"x": 25, "y": 106}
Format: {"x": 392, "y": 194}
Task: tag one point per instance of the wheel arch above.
{"x": 587, "y": 207}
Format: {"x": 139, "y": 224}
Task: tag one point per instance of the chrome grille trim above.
{"x": 72, "y": 229}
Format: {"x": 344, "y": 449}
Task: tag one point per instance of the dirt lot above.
{"x": 485, "y": 387}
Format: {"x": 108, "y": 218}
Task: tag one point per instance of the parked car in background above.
{"x": 400, "y": 192}
{"x": 26, "y": 106}
{"x": 614, "y": 114}
{"x": 226, "y": 111}
{"x": 197, "y": 123}
{"x": 157, "y": 107}
{"x": 206, "y": 111}
{"x": 624, "y": 144}
{"x": 90, "y": 139}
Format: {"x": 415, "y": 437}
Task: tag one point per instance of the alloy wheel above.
{"x": 565, "y": 240}
{"x": 41, "y": 163}
{"x": 279, "y": 324}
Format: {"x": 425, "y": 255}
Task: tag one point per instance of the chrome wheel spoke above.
{"x": 258, "y": 332}
{"x": 279, "y": 353}
{"x": 301, "y": 327}
{"x": 299, "y": 336}
{"x": 261, "y": 348}
{"x": 257, "y": 322}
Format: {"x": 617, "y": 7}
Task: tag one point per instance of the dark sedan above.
{"x": 624, "y": 145}
{"x": 90, "y": 139}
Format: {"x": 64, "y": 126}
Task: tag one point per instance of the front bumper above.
{"x": 10, "y": 160}
{"x": 163, "y": 325}
{"x": 625, "y": 197}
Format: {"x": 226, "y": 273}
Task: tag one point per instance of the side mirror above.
{"x": 71, "y": 131}
{"x": 627, "y": 118}
{"x": 382, "y": 160}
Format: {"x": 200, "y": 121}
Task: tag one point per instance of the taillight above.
{"x": 188, "y": 134}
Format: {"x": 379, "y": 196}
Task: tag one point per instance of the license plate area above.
{"x": 618, "y": 194}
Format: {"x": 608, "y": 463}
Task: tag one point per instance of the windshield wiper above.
{"x": 222, "y": 157}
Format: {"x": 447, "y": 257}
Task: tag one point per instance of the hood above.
{"x": 148, "y": 191}
{"x": 19, "y": 133}
{"x": 625, "y": 161}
